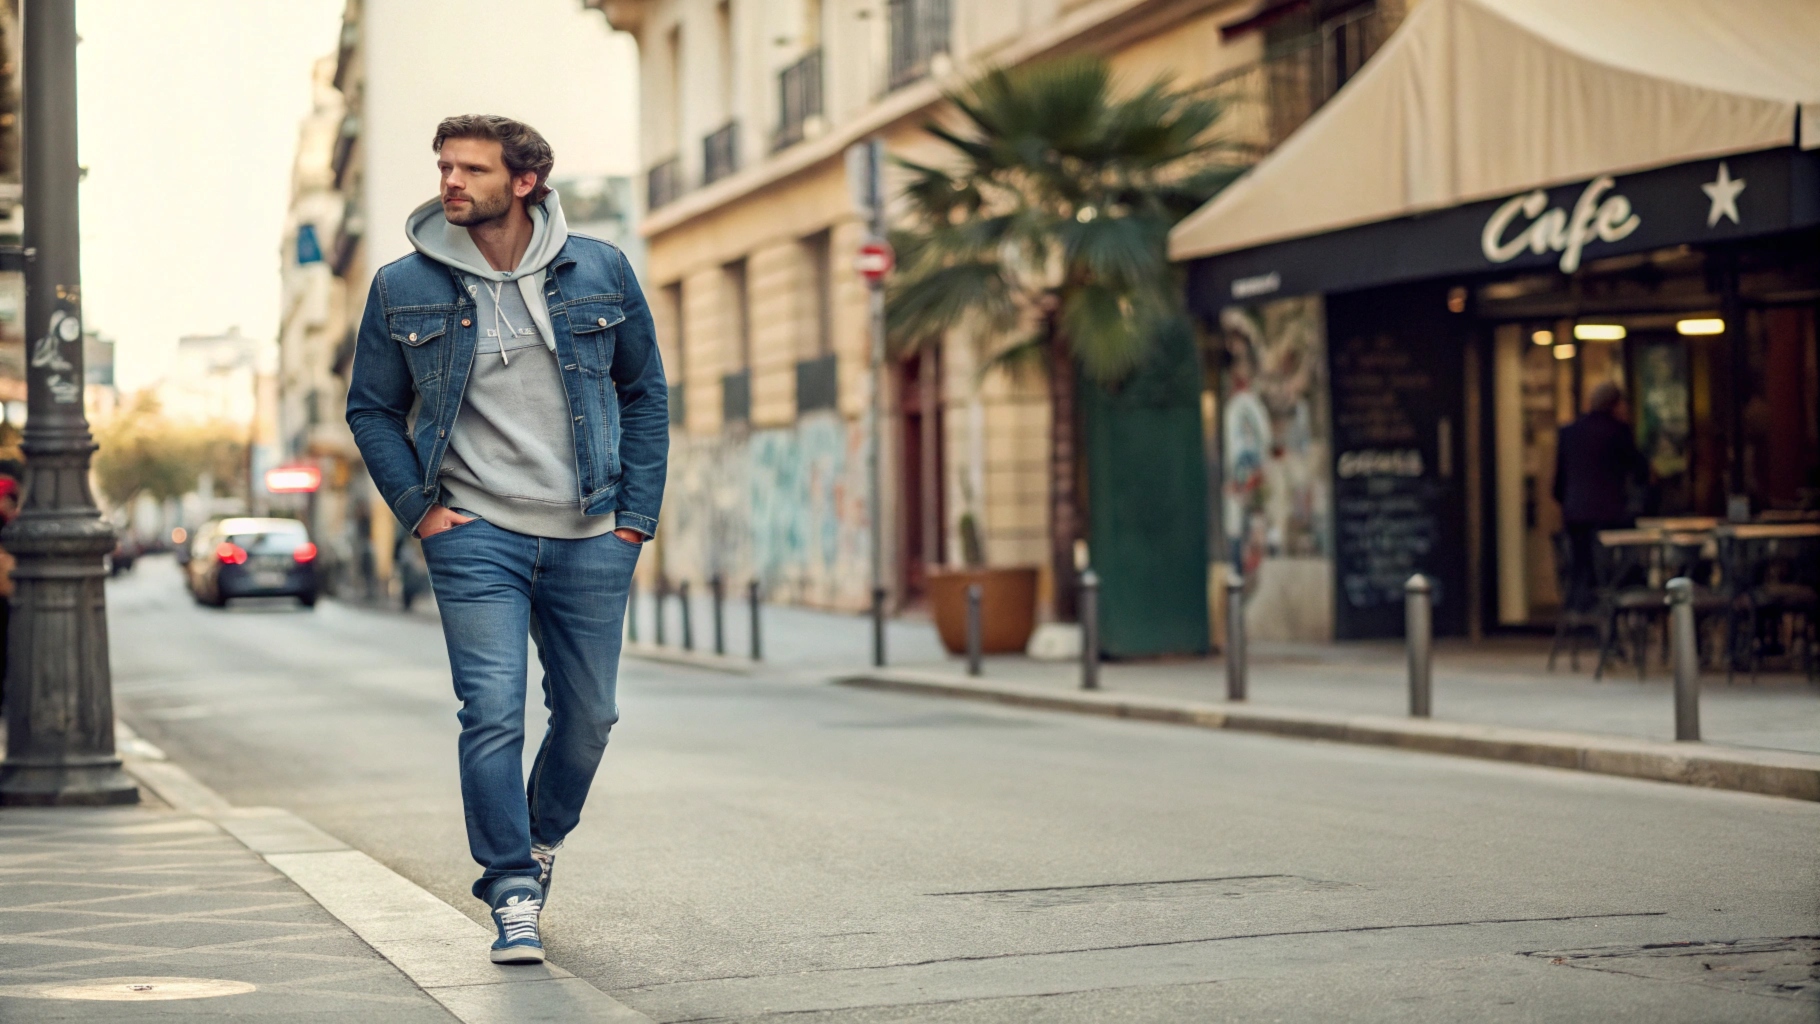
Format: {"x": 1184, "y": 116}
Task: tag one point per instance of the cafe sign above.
{"x": 1557, "y": 227}
{"x": 1599, "y": 214}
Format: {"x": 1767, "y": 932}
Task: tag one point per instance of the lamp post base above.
{"x": 99, "y": 782}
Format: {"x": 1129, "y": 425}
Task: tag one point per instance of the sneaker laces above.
{"x": 518, "y": 917}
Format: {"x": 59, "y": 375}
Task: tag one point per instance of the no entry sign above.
{"x": 875, "y": 260}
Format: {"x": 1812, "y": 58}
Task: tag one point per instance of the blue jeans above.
{"x": 493, "y": 588}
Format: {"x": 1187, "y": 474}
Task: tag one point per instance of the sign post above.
{"x": 59, "y": 691}
{"x": 865, "y": 179}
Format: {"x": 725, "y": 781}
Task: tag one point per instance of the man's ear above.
{"x": 523, "y": 184}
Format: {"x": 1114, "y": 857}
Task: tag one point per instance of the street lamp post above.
{"x": 59, "y": 696}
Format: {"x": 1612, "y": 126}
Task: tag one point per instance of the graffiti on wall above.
{"x": 785, "y": 506}
{"x": 1276, "y": 432}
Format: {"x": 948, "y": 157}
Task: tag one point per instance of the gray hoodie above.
{"x": 511, "y": 457}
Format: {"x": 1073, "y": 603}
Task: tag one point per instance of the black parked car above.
{"x": 248, "y": 557}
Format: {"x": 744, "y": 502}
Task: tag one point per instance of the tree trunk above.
{"x": 1064, "y": 499}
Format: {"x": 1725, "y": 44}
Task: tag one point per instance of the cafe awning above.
{"x": 1480, "y": 99}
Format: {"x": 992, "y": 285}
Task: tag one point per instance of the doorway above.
{"x": 921, "y": 541}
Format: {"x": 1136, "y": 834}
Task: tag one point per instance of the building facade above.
{"x": 748, "y": 108}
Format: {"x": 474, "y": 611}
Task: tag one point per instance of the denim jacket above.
{"x": 416, "y": 348}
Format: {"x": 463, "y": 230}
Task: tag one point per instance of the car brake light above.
{"x": 306, "y": 552}
{"x": 231, "y": 553}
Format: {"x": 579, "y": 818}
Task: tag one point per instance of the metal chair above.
{"x": 1579, "y": 610}
{"x": 1629, "y": 600}
{"x": 1776, "y": 594}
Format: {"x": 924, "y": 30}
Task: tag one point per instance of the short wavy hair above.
{"x": 522, "y": 147}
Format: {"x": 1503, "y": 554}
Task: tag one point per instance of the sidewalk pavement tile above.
{"x": 149, "y": 895}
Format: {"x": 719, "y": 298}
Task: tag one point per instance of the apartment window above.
{"x": 663, "y": 183}
{"x": 799, "y": 98}
{"x": 720, "y": 153}
{"x": 736, "y": 386}
{"x": 723, "y": 27}
{"x": 679, "y": 349}
{"x": 817, "y": 373}
{"x": 919, "y": 31}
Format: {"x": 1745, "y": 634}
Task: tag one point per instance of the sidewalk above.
{"x": 239, "y": 914}
{"x": 105, "y": 909}
{"x": 1493, "y": 699}
{"x": 1502, "y": 681}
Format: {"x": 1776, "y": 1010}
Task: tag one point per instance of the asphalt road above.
{"x": 776, "y": 849}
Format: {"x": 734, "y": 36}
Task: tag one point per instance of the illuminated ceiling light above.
{"x": 1599, "y": 332}
{"x": 1701, "y": 325}
{"x": 1543, "y": 337}
{"x": 1564, "y": 351}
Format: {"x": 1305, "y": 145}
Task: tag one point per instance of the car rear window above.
{"x": 276, "y": 542}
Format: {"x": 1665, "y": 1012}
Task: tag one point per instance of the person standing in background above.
{"x": 1596, "y": 464}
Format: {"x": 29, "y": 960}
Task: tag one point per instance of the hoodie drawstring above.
{"x": 499, "y": 317}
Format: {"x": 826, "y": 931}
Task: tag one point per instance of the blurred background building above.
{"x": 748, "y": 108}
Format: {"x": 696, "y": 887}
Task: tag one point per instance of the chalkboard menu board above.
{"x": 1397, "y": 461}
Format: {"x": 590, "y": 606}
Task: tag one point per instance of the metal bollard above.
{"x": 632, "y": 612}
{"x": 682, "y": 595}
{"x": 1418, "y": 633}
{"x": 1687, "y": 658}
{"x": 663, "y": 594}
{"x": 1090, "y": 630}
{"x": 1235, "y": 637}
{"x": 878, "y": 627}
{"x": 973, "y": 629}
{"x": 718, "y": 588}
{"x": 758, "y": 649}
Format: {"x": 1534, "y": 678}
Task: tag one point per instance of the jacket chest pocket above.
{"x": 592, "y": 324}
{"x": 414, "y": 333}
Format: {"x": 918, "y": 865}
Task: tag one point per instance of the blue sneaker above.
{"x": 516, "y": 903}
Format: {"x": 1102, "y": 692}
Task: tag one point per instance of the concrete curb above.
{"x": 436, "y": 946}
{"x": 1767, "y": 772}
{"x": 692, "y": 659}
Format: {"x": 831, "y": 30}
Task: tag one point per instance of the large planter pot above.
{"x": 1007, "y": 607}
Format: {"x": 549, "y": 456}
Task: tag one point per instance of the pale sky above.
{"x": 189, "y": 117}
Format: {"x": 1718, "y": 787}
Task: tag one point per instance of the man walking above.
{"x": 1596, "y": 461}
{"x": 532, "y": 468}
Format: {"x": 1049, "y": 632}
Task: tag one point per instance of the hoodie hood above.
{"x": 451, "y": 245}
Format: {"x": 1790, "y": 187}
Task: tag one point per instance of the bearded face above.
{"x": 477, "y": 187}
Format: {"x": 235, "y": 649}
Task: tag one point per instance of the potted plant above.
{"x": 1007, "y": 598}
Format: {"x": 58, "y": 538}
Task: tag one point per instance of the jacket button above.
{"x": 413, "y": 336}
{"x": 602, "y": 321}
{"x": 467, "y": 323}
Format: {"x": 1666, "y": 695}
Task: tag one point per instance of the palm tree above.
{"x": 1046, "y": 231}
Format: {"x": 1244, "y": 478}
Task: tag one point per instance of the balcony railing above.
{"x": 799, "y": 98}
{"x": 720, "y": 153}
{"x": 1269, "y": 100}
{"x": 663, "y": 183}
{"x": 919, "y": 31}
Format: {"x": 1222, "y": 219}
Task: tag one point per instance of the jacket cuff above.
{"x": 623, "y": 519}
{"x": 410, "y": 508}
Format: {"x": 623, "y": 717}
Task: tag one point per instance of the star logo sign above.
{"x": 1723, "y": 191}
